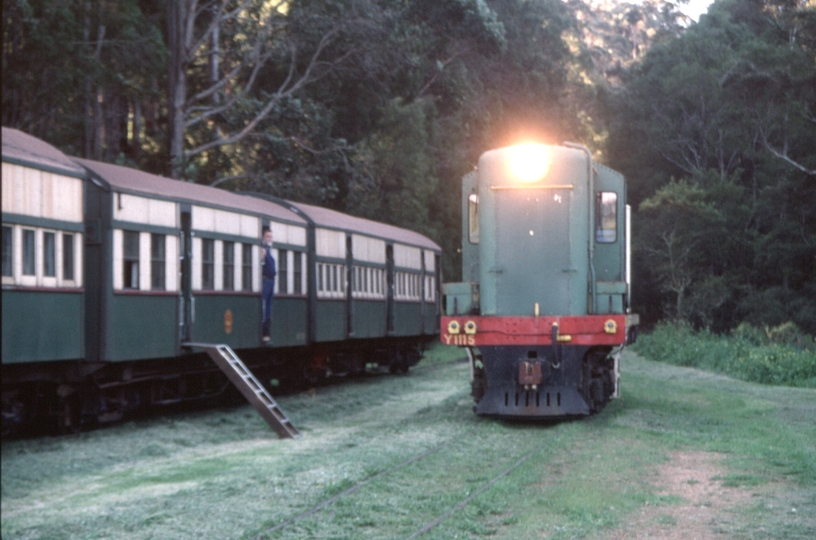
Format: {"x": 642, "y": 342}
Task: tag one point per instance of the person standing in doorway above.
{"x": 269, "y": 272}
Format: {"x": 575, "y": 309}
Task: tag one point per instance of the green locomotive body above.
{"x": 544, "y": 310}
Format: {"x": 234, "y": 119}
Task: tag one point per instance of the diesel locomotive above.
{"x": 110, "y": 273}
{"x": 544, "y": 306}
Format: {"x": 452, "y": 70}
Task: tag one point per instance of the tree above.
{"x": 219, "y": 50}
{"x": 726, "y": 106}
{"x": 94, "y": 75}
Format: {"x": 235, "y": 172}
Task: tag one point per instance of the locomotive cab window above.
{"x": 473, "y": 218}
{"x": 606, "y": 217}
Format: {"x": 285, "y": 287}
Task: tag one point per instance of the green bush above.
{"x": 782, "y": 355}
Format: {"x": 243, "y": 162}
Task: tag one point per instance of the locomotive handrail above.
{"x": 591, "y": 240}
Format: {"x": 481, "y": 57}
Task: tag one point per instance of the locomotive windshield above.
{"x": 606, "y": 217}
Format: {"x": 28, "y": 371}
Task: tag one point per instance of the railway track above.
{"x": 404, "y": 457}
{"x": 311, "y": 512}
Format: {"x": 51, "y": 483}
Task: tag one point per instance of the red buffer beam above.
{"x": 477, "y": 331}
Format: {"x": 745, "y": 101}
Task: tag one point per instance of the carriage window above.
{"x": 49, "y": 254}
{"x": 29, "y": 258}
{"x": 157, "y": 262}
{"x": 606, "y": 217}
{"x": 473, "y": 218}
{"x": 430, "y": 288}
{"x": 283, "y": 271}
{"x": 298, "y": 270}
{"x": 207, "y": 264}
{"x": 246, "y": 267}
{"x": 67, "y": 257}
{"x": 8, "y": 249}
{"x": 229, "y": 266}
{"x": 131, "y": 260}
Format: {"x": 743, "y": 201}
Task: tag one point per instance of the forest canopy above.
{"x": 378, "y": 107}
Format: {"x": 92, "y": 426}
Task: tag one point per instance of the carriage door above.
{"x": 186, "y": 300}
{"x": 389, "y": 301}
{"x": 533, "y": 251}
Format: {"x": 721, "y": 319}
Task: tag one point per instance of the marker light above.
{"x": 529, "y": 162}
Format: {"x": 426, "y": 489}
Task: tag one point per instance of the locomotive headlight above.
{"x": 529, "y": 162}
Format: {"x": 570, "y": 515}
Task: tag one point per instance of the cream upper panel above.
{"x": 331, "y": 243}
{"x": 135, "y": 209}
{"x": 430, "y": 261}
{"x": 407, "y": 256}
{"x": 288, "y": 234}
{"x": 368, "y": 249}
{"x": 42, "y": 194}
{"x": 224, "y": 222}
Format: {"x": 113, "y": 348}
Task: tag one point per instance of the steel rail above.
{"x": 351, "y": 490}
{"x": 320, "y": 506}
{"x": 484, "y": 487}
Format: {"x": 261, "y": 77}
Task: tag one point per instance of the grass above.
{"x": 780, "y": 356}
{"x": 223, "y": 474}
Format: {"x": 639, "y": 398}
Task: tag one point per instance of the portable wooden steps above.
{"x": 243, "y": 379}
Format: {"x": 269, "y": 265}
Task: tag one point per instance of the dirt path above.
{"x": 693, "y": 478}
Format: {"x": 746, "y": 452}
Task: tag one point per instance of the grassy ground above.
{"x": 224, "y": 474}
{"x": 783, "y": 355}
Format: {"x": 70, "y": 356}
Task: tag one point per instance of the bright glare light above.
{"x": 529, "y": 162}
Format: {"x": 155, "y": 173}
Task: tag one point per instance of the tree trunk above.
{"x": 98, "y": 123}
{"x": 136, "y": 141}
{"x": 177, "y": 11}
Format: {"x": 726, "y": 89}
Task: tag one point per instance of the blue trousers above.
{"x": 268, "y": 296}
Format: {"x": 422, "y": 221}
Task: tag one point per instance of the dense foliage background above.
{"x": 378, "y": 107}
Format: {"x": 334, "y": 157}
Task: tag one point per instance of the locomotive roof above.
{"x": 325, "y": 217}
{"x": 138, "y": 181}
{"x": 24, "y": 149}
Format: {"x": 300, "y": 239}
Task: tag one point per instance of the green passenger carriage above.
{"x": 544, "y": 311}
{"x": 43, "y": 294}
{"x": 110, "y": 274}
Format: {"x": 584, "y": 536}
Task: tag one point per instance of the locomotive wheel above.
{"x": 586, "y": 384}
{"x": 597, "y": 393}
{"x": 478, "y": 386}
